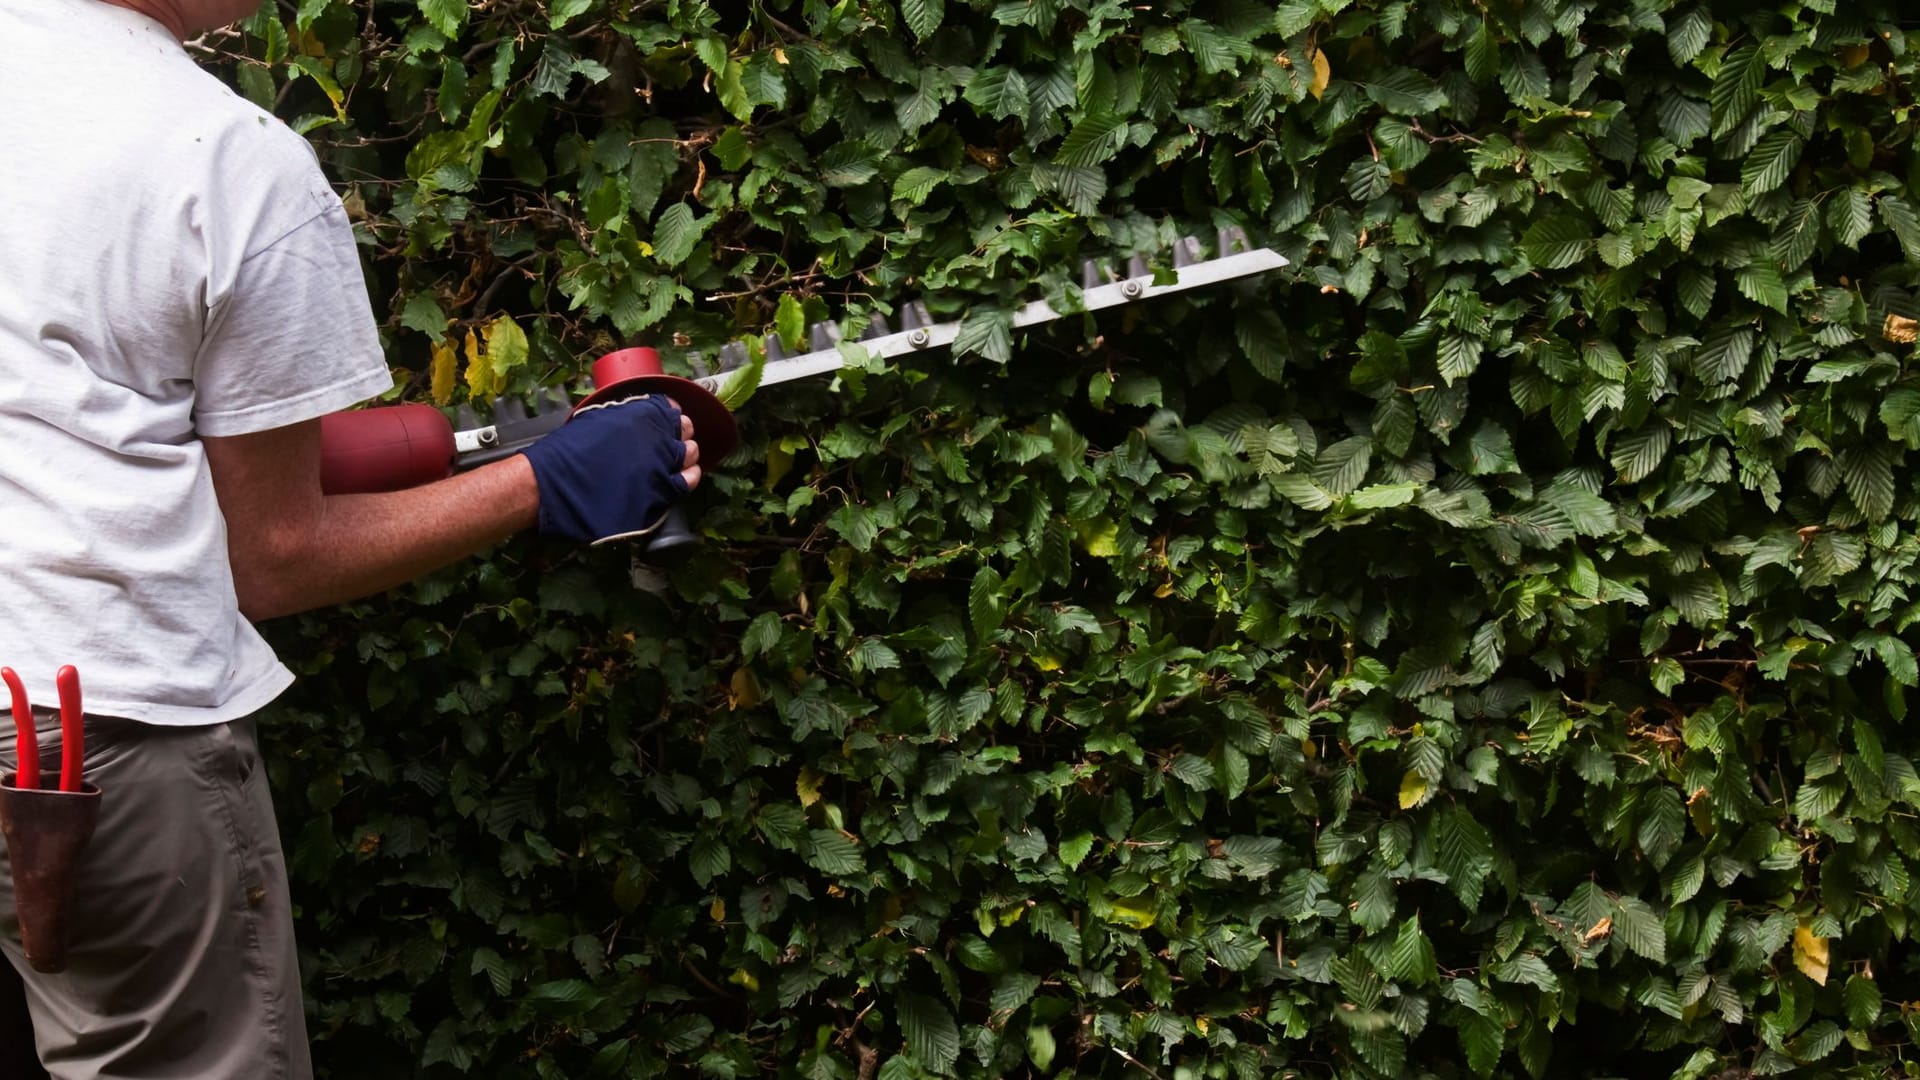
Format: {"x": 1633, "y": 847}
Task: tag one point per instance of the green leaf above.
{"x": 1406, "y": 92}
{"x": 446, "y": 16}
{"x": 790, "y": 322}
{"x": 1688, "y": 34}
{"x": 913, "y": 186}
{"x": 1736, "y": 89}
{"x": 1342, "y": 466}
{"x": 986, "y": 602}
{"x": 1040, "y": 1047}
{"x": 1867, "y": 472}
{"x": 1767, "y": 165}
{"x": 923, "y": 16}
{"x": 1663, "y": 824}
{"x": 931, "y": 1034}
{"x": 1696, "y": 288}
{"x": 1483, "y": 1040}
{"x": 1635, "y": 456}
{"x": 1458, "y": 355}
{"x": 1904, "y": 222}
{"x": 1555, "y": 243}
{"x": 1640, "y": 929}
{"x": 1862, "y": 998}
{"x": 675, "y": 233}
{"x": 832, "y": 853}
{"x": 1850, "y": 216}
{"x": 987, "y": 331}
{"x": 1900, "y": 411}
{"x": 1723, "y": 356}
{"x": 1074, "y": 849}
{"x": 1091, "y": 141}
{"x": 1762, "y": 284}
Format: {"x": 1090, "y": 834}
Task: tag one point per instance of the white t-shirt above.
{"x": 173, "y": 264}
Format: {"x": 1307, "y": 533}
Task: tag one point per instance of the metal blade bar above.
{"x": 1192, "y": 276}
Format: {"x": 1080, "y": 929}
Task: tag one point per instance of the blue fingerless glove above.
{"x": 612, "y": 471}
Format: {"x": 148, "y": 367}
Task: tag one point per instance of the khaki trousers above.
{"x": 182, "y": 962}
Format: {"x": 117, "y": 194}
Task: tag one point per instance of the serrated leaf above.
{"x": 1322, "y": 73}
{"x": 1091, "y": 141}
{"x": 1342, "y": 466}
{"x": 986, "y": 602}
{"x": 923, "y": 16}
{"x": 1771, "y": 159}
{"x": 1867, "y": 472}
{"x": 1663, "y": 824}
{"x": 913, "y": 186}
{"x": 1900, "y": 411}
{"x": 1640, "y": 929}
{"x": 1904, "y": 222}
{"x": 447, "y": 16}
{"x": 1862, "y": 1002}
{"x": 1687, "y": 35}
{"x": 1556, "y": 243}
{"x": 832, "y": 853}
{"x": 1457, "y": 356}
{"x": 1696, "y": 288}
{"x": 1736, "y": 88}
{"x": 1850, "y": 216}
{"x": 1635, "y": 456}
{"x": 1413, "y": 790}
{"x": 1810, "y": 953}
{"x": 1762, "y": 284}
{"x": 987, "y": 331}
{"x": 1406, "y": 92}
{"x": 931, "y": 1034}
{"x": 1723, "y": 356}
{"x": 790, "y": 322}
{"x": 1483, "y": 1040}
{"x": 675, "y": 233}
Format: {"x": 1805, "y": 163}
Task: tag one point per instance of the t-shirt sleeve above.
{"x": 294, "y": 338}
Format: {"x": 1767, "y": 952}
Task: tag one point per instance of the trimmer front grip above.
{"x": 384, "y": 449}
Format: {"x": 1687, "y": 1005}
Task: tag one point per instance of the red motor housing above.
{"x": 384, "y": 449}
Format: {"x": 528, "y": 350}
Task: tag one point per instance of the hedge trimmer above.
{"x": 402, "y": 446}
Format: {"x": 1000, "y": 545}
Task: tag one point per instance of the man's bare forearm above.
{"x": 293, "y": 549}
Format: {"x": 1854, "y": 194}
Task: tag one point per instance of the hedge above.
{"x": 1480, "y": 650}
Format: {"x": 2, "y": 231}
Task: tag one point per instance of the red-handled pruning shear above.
{"x": 26, "y": 739}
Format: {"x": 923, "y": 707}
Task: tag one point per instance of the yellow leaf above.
{"x": 506, "y": 348}
{"x": 743, "y": 692}
{"x": 1044, "y": 661}
{"x": 718, "y": 910}
{"x": 446, "y": 368}
{"x": 1810, "y": 954}
{"x": 1135, "y": 912}
{"x": 1413, "y": 790}
{"x": 743, "y": 977}
{"x": 779, "y": 463}
{"x": 479, "y": 374}
{"x": 1901, "y": 329}
{"x": 1322, "y": 73}
{"x": 808, "y": 786}
{"x": 1101, "y": 538}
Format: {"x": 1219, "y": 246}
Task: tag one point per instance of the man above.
{"x": 180, "y": 301}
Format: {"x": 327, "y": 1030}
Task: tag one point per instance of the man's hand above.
{"x": 615, "y": 469}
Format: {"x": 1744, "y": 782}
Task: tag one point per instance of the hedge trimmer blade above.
{"x": 917, "y": 331}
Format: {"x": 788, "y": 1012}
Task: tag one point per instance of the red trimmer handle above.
{"x": 387, "y": 448}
